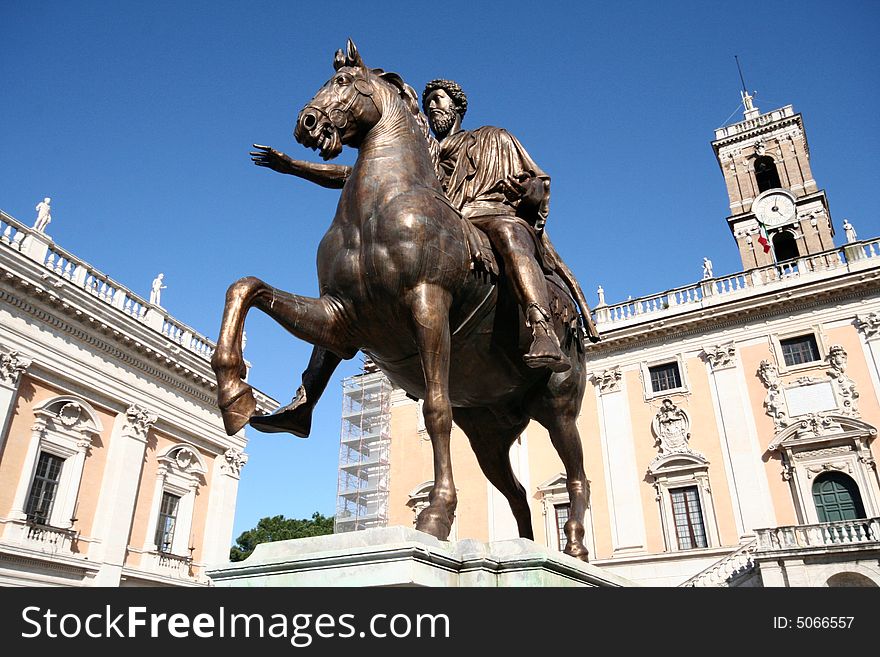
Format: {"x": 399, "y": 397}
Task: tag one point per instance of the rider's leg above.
{"x": 296, "y": 417}
{"x": 517, "y": 248}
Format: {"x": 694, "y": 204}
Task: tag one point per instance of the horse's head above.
{"x": 348, "y": 105}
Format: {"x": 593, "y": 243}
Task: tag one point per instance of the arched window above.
{"x": 766, "y": 174}
{"x": 785, "y": 246}
{"x": 837, "y": 498}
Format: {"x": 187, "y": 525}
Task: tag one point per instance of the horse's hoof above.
{"x": 238, "y": 411}
{"x": 295, "y": 418}
{"x": 578, "y": 552}
{"x": 435, "y": 523}
{"x": 552, "y": 363}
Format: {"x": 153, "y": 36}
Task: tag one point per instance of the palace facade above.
{"x": 115, "y": 469}
{"x": 728, "y": 425}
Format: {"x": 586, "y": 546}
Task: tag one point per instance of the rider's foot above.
{"x": 545, "y": 351}
{"x": 295, "y": 418}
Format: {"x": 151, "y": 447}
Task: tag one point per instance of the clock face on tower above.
{"x": 774, "y": 207}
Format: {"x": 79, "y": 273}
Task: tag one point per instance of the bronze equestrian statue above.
{"x": 399, "y": 281}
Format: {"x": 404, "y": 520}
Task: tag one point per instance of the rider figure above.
{"x": 491, "y": 179}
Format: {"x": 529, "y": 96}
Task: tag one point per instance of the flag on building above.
{"x": 764, "y": 240}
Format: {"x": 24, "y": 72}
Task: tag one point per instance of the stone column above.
{"x": 116, "y": 504}
{"x": 12, "y": 366}
{"x": 621, "y": 472}
{"x": 749, "y": 490}
{"x": 218, "y": 536}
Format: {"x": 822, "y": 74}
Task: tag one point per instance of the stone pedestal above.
{"x": 401, "y": 556}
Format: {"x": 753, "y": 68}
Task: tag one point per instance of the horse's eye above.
{"x": 341, "y": 79}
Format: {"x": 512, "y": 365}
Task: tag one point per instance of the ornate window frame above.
{"x": 645, "y": 370}
{"x": 552, "y": 493}
{"x": 65, "y": 426}
{"x": 181, "y": 472}
{"x": 776, "y": 342}
{"x": 678, "y": 466}
{"x": 820, "y": 442}
{"x": 681, "y": 470}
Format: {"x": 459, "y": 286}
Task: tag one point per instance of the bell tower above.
{"x": 777, "y": 212}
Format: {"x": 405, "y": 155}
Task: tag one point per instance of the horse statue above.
{"x": 397, "y": 282}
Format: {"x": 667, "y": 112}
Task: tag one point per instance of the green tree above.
{"x": 279, "y": 528}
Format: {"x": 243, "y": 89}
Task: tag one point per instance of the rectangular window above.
{"x": 688, "y": 518}
{"x": 167, "y": 521}
{"x": 44, "y": 488}
{"x": 665, "y": 377}
{"x": 802, "y": 349}
{"x": 562, "y": 511}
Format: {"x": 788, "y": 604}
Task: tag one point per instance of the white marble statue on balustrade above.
{"x": 601, "y": 293}
{"x": 707, "y": 268}
{"x": 44, "y": 215}
{"x": 849, "y": 231}
{"x": 156, "y": 290}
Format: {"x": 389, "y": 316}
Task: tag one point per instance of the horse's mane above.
{"x": 411, "y": 100}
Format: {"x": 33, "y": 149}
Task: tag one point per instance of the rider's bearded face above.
{"x": 441, "y": 112}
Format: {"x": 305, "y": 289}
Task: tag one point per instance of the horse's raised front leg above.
{"x": 318, "y": 321}
{"x": 429, "y": 305}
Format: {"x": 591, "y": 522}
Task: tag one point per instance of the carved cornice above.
{"x": 608, "y": 380}
{"x": 721, "y": 356}
{"x": 139, "y": 420}
{"x": 12, "y": 365}
{"x": 235, "y": 460}
{"x": 774, "y": 402}
{"x": 869, "y": 325}
{"x": 846, "y": 387}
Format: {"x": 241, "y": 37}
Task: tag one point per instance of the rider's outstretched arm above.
{"x": 332, "y": 176}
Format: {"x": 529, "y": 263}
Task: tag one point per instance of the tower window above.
{"x": 785, "y": 246}
{"x": 766, "y": 174}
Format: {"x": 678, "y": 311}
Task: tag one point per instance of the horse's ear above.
{"x": 338, "y": 60}
{"x": 353, "y": 56}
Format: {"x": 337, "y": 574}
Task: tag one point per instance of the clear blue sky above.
{"x": 136, "y": 118}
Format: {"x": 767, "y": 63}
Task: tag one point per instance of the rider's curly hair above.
{"x": 450, "y": 87}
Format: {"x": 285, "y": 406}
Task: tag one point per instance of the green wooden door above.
{"x": 837, "y": 498}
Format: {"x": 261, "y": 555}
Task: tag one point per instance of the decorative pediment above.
{"x": 184, "y": 459}
{"x": 820, "y": 428}
{"x": 555, "y": 484}
{"x": 68, "y": 415}
{"x": 680, "y": 462}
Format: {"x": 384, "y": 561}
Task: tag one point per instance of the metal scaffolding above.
{"x": 362, "y": 487}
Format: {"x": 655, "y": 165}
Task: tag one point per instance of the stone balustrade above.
{"x": 826, "y": 534}
{"x": 709, "y": 292}
{"x": 78, "y": 273}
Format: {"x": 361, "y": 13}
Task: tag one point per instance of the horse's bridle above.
{"x": 337, "y": 117}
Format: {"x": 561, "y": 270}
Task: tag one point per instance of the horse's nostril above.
{"x": 309, "y": 122}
